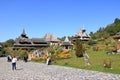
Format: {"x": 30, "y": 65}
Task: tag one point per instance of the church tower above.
{"x": 23, "y": 35}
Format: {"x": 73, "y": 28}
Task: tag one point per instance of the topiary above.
{"x": 79, "y": 48}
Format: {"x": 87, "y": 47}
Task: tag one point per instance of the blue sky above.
{"x": 59, "y": 17}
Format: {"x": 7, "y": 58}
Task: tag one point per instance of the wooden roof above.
{"x": 51, "y": 38}
{"x": 82, "y": 35}
{"x": 66, "y": 42}
{"x": 117, "y": 36}
{"x": 38, "y": 40}
{"x": 23, "y": 41}
{"x": 31, "y": 45}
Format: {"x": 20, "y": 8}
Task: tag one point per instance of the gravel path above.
{"x": 37, "y": 71}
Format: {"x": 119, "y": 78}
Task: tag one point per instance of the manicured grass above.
{"x": 96, "y": 58}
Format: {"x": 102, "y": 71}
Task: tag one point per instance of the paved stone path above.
{"x": 37, "y": 71}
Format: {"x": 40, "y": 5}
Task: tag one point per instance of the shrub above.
{"x": 91, "y": 42}
{"x": 107, "y": 63}
{"x": 64, "y": 54}
{"x": 79, "y": 48}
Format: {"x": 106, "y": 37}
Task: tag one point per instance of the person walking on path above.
{"x": 9, "y": 58}
{"x": 14, "y": 60}
{"x": 25, "y": 58}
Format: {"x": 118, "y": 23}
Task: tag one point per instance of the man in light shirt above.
{"x": 14, "y": 60}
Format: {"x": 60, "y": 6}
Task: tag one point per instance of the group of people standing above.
{"x": 48, "y": 61}
{"x": 14, "y": 59}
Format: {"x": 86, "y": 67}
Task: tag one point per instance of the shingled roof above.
{"x": 51, "y": 38}
{"x": 66, "y": 42}
{"x": 24, "y": 42}
{"x": 117, "y": 36}
{"x": 38, "y": 40}
{"x": 82, "y": 35}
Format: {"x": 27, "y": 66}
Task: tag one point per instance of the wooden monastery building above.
{"x": 117, "y": 36}
{"x": 66, "y": 44}
{"x": 24, "y": 42}
{"x": 51, "y": 39}
{"x": 82, "y": 35}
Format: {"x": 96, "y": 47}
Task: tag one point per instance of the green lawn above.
{"x": 96, "y": 59}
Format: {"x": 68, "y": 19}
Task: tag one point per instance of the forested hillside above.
{"x": 108, "y": 31}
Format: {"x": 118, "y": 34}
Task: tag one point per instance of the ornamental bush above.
{"x": 79, "y": 48}
{"x": 64, "y": 54}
